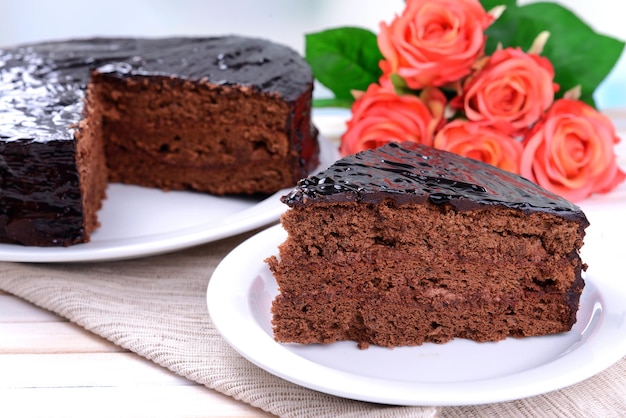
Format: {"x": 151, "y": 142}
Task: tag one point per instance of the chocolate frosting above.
{"x": 411, "y": 173}
{"x": 42, "y": 85}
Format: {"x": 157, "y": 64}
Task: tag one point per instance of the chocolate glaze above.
{"x": 42, "y": 85}
{"x": 41, "y": 100}
{"x": 410, "y": 173}
{"x": 33, "y": 214}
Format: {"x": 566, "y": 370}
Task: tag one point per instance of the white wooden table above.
{"x": 50, "y": 367}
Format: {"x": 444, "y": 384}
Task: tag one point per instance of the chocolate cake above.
{"x": 222, "y": 115}
{"x": 407, "y": 244}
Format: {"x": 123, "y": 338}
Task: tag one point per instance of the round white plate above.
{"x": 460, "y": 372}
{"x": 137, "y": 221}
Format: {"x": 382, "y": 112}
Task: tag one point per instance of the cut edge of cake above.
{"x": 407, "y": 244}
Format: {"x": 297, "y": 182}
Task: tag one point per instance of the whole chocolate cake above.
{"x": 407, "y": 244}
{"x": 223, "y": 115}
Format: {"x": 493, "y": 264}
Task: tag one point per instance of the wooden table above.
{"x": 50, "y": 367}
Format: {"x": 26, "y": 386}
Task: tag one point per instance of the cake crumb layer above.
{"x": 404, "y": 271}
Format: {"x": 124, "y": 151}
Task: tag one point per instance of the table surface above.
{"x": 50, "y": 367}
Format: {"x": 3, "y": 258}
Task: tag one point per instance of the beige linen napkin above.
{"x": 156, "y": 307}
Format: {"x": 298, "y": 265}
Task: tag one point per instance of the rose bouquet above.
{"x": 508, "y": 85}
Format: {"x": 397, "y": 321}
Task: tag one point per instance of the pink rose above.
{"x": 480, "y": 142}
{"x": 571, "y": 151}
{"x": 511, "y": 91}
{"x": 433, "y": 43}
{"x": 380, "y": 116}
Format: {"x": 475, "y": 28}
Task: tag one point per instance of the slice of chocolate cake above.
{"x": 223, "y": 115}
{"x": 407, "y": 244}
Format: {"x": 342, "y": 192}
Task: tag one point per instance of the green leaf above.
{"x": 490, "y": 4}
{"x": 344, "y": 59}
{"x": 580, "y": 55}
{"x": 333, "y": 102}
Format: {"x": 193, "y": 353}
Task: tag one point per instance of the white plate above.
{"x": 137, "y": 221}
{"x": 460, "y": 372}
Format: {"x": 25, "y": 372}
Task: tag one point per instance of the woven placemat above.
{"x": 156, "y": 307}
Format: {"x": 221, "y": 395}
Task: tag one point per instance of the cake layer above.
{"x": 413, "y": 317}
{"x": 382, "y": 246}
{"x": 172, "y": 134}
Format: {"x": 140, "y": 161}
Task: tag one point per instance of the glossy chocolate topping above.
{"x": 413, "y": 173}
{"x": 41, "y": 85}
